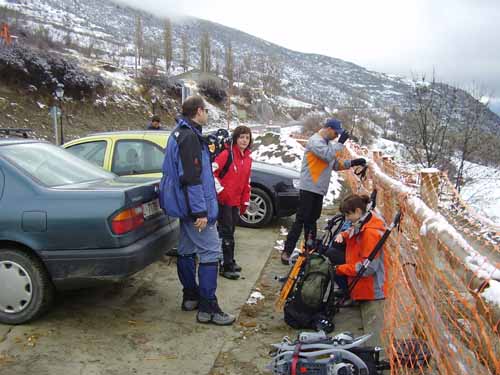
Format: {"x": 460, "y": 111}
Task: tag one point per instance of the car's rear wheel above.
{"x": 260, "y": 210}
{"x": 26, "y": 289}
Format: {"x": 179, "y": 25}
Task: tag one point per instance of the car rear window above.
{"x": 51, "y": 165}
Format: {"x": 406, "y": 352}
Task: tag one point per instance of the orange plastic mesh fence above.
{"x": 436, "y": 319}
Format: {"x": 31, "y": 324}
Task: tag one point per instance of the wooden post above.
{"x": 388, "y": 165}
{"x": 429, "y": 186}
{"x": 377, "y": 156}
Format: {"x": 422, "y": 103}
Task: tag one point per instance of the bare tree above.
{"x": 272, "y": 73}
{"x": 217, "y": 58}
{"x": 185, "y": 52}
{"x": 167, "y": 40}
{"x": 229, "y": 68}
{"x": 205, "y": 53}
{"x": 469, "y": 140}
{"x": 433, "y": 108}
{"x": 152, "y": 50}
{"x": 68, "y": 25}
{"x": 139, "y": 42}
{"x": 90, "y": 47}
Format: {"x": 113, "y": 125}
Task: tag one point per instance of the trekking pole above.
{"x": 293, "y": 275}
{"x": 366, "y": 263}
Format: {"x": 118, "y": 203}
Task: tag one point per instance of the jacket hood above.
{"x": 375, "y": 222}
{"x": 184, "y": 121}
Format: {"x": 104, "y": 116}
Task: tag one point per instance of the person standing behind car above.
{"x": 187, "y": 191}
{"x": 232, "y": 169}
{"x": 154, "y": 124}
{"x": 320, "y": 158}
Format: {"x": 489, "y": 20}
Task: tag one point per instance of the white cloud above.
{"x": 456, "y": 38}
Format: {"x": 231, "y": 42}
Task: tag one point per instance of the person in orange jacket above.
{"x": 360, "y": 239}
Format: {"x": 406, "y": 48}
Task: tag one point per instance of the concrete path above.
{"x": 135, "y": 327}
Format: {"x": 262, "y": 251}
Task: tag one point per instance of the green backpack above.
{"x": 310, "y": 298}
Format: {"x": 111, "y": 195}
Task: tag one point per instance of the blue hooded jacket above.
{"x": 187, "y": 188}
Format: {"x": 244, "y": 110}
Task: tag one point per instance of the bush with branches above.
{"x": 213, "y": 90}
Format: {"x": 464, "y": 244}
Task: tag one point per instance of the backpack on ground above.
{"x": 309, "y": 305}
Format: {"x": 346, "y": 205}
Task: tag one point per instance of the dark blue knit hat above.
{"x": 335, "y": 125}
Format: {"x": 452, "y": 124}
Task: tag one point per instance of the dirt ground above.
{"x": 261, "y": 325}
{"x": 137, "y": 327}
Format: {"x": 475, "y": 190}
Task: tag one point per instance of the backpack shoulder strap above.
{"x": 229, "y": 160}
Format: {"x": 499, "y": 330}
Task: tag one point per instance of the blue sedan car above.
{"x": 66, "y": 223}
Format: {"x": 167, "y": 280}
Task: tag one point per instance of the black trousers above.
{"x": 309, "y": 211}
{"x": 226, "y": 224}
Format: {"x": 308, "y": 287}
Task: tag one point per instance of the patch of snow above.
{"x": 492, "y": 293}
{"x": 280, "y": 245}
{"x": 283, "y": 231}
{"x": 254, "y": 298}
{"x": 293, "y": 103}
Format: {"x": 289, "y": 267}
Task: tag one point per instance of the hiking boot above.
{"x": 190, "y": 299}
{"x": 236, "y": 267}
{"x": 285, "y": 258}
{"x": 230, "y": 274}
{"x": 219, "y": 319}
{"x": 215, "y": 316}
{"x": 189, "y": 305}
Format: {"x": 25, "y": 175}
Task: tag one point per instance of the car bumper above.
{"x": 71, "y": 269}
{"x": 287, "y": 203}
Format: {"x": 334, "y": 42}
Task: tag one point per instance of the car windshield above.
{"x": 51, "y": 165}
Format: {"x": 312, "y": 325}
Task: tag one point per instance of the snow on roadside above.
{"x": 481, "y": 192}
{"x": 293, "y": 103}
{"x": 254, "y": 298}
{"x": 492, "y": 293}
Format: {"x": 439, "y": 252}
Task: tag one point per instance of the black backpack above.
{"x": 218, "y": 142}
{"x": 310, "y": 303}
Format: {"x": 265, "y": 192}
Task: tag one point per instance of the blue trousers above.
{"x": 206, "y": 244}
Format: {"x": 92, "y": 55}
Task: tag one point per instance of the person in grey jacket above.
{"x": 321, "y": 156}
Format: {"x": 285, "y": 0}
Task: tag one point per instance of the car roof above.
{"x": 125, "y": 132}
{"x": 10, "y": 141}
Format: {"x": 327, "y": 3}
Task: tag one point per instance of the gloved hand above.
{"x": 339, "y": 270}
{"x": 243, "y": 209}
{"x": 356, "y": 162}
{"x": 343, "y": 137}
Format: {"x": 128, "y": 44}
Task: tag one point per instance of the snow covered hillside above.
{"x": 108, "y": 29}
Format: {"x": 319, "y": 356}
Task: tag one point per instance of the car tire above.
{"x": 260, "y": 210}
{"x": 31, "y": 291}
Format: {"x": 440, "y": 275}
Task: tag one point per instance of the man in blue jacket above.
{"x": 188, "y": 192}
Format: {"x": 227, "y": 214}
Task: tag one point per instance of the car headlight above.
{"x": 296, "y": 183}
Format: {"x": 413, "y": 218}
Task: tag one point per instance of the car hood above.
{"x": 275, "y": 170}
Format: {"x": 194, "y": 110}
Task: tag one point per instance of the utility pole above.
{"x": 228, "y": 109}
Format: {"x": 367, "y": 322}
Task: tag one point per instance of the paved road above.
{"x": 135, "y": 327}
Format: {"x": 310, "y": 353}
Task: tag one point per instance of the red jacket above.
{"x": 359, "y": 246}
{"x": 234, "y": 188}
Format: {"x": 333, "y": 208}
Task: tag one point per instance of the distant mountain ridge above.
{"x": 311, "y": 78}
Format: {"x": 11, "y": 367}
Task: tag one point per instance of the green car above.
{"x": 66, "y": 223}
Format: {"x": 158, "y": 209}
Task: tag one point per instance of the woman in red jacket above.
{"x": 232, "y": 182}
{"x": 360, "y": 239}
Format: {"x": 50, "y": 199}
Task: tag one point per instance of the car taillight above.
{"x": 127, "y": 220}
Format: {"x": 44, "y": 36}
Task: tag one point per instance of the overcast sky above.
{"x": 459, "y": 39}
